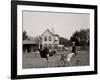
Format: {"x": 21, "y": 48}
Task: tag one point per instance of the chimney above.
{"x": 53, "y": 31}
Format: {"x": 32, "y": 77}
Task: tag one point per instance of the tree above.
{"x": 81, "y": 37}
{"x": 64, "y": 41}
{"x": 25, "y": 36}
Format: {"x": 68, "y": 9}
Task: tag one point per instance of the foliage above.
{"x": 64, "y": 41}
{"x": 25, "y": 36}
{"x": 81, "y": 37}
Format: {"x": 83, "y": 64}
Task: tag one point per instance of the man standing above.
{"x": 74, "y": 48}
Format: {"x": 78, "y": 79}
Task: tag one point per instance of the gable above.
{"x": 47, "y": 33}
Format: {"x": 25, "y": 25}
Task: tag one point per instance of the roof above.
{"x": 56, "y": 35}
{"x": 61, "y": 45}
{"x": 31, "y": 40}
{"x": 50, "y": 33}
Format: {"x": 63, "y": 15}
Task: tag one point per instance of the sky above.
{"x": 63, "y": 24}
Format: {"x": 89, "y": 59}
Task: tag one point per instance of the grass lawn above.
{"x": 33, "y": 60}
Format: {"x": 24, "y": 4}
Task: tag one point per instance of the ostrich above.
{"x": 45, "y": 54}
{"x": 66, "y": 59}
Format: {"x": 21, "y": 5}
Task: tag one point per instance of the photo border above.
{"x": 14, "y": 35}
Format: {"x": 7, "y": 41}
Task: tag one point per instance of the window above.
{"x": 55, "y": 46}
{"x": 45, "y": 38}
{"x": 55, "y": 40}
{"x": 49, "y": 38}
{"x": 50, "y": 46}
{"x": 45, "y": 45}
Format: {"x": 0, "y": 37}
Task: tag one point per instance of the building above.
{"x": 30, "y": 45}
{"x": 47, "y": 39}
{"x": 50, "y": 40}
